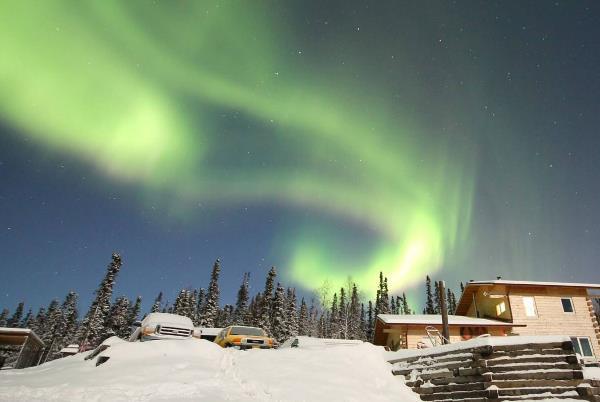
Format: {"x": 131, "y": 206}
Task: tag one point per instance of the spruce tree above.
{"x": 343, "y": 318}
{"x": 70, "y": 315}
{"x": 278, "y": 324}
{"x": 39, "y": 322}
{"x": 92, "y": 326}
{"x": 4, "y": 317}
{"x": 266, "y": 306}
{"x": 15, "y": 320}
{"x": 211, "y": 307}
{"x": 200, "y": 300}
{"x": 362, "y": 334}
{"x": 313, "y": 319}
{"x": 429, "y": 306}
{"x": 437, "y": 301}
{"x": 405, "y": 307}
{"x": 157, "y": 302}
{"x": 462, "y": 288}
{"x": 26, "y": 321}
{"x": 370, "y": 322}
{"x": 117, "y": 322}
{"x": 291, "y": 315}
{"x": 334, "y": 316}
{"x": 52, "y": 330}
{"x": 180, "y": 306}
{"x": 255, "y": 310}
{"x": 240, "y": 315}
{"x": 303, "y": 322}
{"x": 354, "y": 323}
{"x": 393, "y": 309}
{"x": 134, "y": 311}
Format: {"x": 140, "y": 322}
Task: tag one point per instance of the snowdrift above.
{"x": 202, "y": 371}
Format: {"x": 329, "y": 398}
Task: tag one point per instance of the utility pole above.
{"x": 444, "y": 308}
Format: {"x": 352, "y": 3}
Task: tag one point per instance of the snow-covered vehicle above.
{"x": 242, "y": 337}
{"x": 163, "y": 326}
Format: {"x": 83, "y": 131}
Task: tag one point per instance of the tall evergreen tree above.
{"x": 39, "y": 321}
{"x": 181, "y": 305}
{"x": 450, "y": 301}
{"x": 255, "y": 310}
{"x": 70, "y": 315}
{"x": 437, "y": 301}
{"x": 278, "y": 324}
{"x": 4, "y": 317}
{"x": 393, "y": 309}
{"x": 117, "y": 322}
{"x": 313, "y": 319}
{"x": 26, "y": 321}
{"x": 134, "y": 311}
{"x": 291, "y": 314}
{"x": 200, "y": 302}
{"x": 211, "y": 308}
{"x": 362, "y": 335}
{"x": 303, "y": 320}
{"x": 370, "y": 322}
{"x": 343, "y": 318}
{"x": 382, "y": 302}
{"x": 462, "y": 288}
{"x": 354, "y": 322}
{"x": 15, "y": 320}
{"x": 157, "y": 303}
{"x": 52, "y": 330}
{"x": 92, "y": 326}
{"x": 405, "y": 307}
{"x": 334, "y": 317}
{"x": 266, "y": 306}
{"x": 241, "y": 314}
{"x": 429, "y": 305}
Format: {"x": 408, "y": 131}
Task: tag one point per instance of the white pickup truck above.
{"x": 162, "y": 326}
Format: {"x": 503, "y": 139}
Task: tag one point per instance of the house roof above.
{"x": 470, "y": 287}
{"x": 536, "y": 283}
{"x": 19, "y": 333}
{"x": 436, "y": 319}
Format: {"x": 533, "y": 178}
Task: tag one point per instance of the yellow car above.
{"x": 242, "y": 337}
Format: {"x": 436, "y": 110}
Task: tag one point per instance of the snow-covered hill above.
{"x": 202, "y": 371}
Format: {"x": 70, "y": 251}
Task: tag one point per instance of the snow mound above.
{"x": 202, "y": 371}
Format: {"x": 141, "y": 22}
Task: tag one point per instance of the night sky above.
{"x": 329, "y": 139}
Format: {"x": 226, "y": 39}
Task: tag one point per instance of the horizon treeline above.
{"x": 332, "y": 313}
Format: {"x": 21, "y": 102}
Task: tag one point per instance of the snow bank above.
{"x": 202, "y": 371}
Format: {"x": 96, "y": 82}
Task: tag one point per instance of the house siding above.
{"x": 551, "y": 319}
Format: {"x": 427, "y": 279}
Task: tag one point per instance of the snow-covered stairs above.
{"x": 499, "y": 373}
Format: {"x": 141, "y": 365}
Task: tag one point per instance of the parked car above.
{"x": 243, "y": 337}
{"x": 162, "y": 326}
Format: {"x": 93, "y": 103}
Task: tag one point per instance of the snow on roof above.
{"x": 536, "y": 283}
{"x": 20, "y": 331}
{"x": 70, "y": 349}
{"x": 436, "y": 319}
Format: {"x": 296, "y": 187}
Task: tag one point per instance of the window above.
{"x": 567, "y": 304}
{"x": 582, "y": 346}
{"x": 500, "y": 308}
{"x": 529, "y": 303}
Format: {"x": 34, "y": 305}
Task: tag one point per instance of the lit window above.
{"x": 582, "y": 346}
{"x": 529, "y": 303}
{"x": 500, "y": 308}
{"x": 567, "y": 305}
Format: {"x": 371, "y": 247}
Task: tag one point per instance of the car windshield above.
{"x": 246, "y": 331}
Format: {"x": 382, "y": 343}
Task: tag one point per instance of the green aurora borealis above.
{"x": 138, "y": 92}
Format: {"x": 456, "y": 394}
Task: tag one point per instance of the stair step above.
{"x": 559, "y": 358}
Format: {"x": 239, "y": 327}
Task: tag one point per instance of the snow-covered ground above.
{"x": 202, "y": 371}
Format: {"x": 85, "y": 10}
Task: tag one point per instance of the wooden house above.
{"x": 537, "y": 308}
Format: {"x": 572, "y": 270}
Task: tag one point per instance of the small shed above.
{"x": 69, "y": 350}
{"x": 23, "y": 347}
